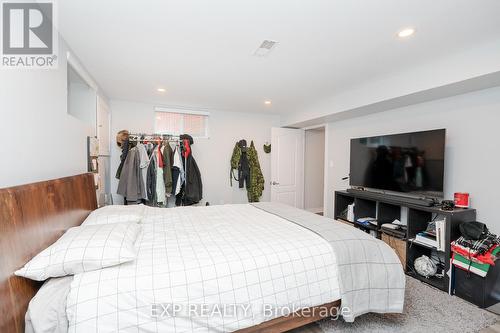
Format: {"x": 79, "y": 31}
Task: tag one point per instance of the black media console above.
{"x": 388, "y": 208}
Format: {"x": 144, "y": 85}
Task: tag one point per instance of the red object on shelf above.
{"x": 462, "y": 200}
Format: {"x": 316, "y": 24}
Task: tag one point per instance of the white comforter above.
{"x": 370, "y": 274}
{"x": 217, "y": 268}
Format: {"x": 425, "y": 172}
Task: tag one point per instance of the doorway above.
{"x": 287, "y": 166}
{"x": 314, "y": 170}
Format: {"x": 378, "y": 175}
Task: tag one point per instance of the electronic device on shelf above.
{"x": 419, "y": 201}
{"x": 407, "y": 163}
{"x": 447, "y": 205}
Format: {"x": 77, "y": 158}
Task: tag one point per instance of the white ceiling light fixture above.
{"x": 161, "y": 90}
{"x": 267, "y": 102}
{"x": 265, "y": 48}
{"x": 406, "y": 32}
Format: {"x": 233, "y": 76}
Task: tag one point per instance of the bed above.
{"x": 310, "y": 261}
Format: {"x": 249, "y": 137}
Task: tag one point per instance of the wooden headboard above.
{"x": 32, "y": 217}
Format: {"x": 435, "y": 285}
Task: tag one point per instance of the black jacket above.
{"x": 151, "y": 180}
{"x": 123, "y": 157}
{"x": 193, "y": 192}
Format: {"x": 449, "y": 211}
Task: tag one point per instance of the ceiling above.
{"x": 201, "y": 52}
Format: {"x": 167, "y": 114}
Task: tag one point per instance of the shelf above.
{"x": 388, "y": 233}
{"x": 387, "y": 213}
{"x": 364, "y": 208}
{"x": 369, "y": 227}
{"x": 359, "y": 225}
{"x": 379, "y": 197}
{"x": 344, "y": 220}
{"x": 416, "y": 218}
{"x": 413, "y": 242}
{"x": 439, "y": 283}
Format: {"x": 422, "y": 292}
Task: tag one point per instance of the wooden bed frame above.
{"x": 34, "y": 216}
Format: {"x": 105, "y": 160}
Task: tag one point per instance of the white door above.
{"x": 287, "y": 166}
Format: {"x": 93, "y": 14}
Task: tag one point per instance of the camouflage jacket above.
{"x": 256, "y": 177}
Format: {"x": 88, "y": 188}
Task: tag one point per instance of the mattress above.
{"x": 224, "y": 268}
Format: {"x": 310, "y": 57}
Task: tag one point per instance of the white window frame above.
{"x": 184, "y": 111}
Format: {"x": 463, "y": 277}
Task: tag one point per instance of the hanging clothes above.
{"x": 131, "y": 185}
{"x": 177, "y": 172}
{"x": 235, "y": 162}
{"x": 161, "y": 197}
{"x": 123, "y": 157}
{"x": 239, "y": 161}
{"x": 192, "y": 189}
{"x": 151, "y": 178}
{"x": 152, "y": 170}
{"x": 167, "y": 167}
{"x": 160, "y": 182}
{"x": 246, "y": 161}
{"x": 143, "y": 164}
{"x": 193, "y": 186}
{"x": 256, "y": 177}
{"x": 243, "y": 166}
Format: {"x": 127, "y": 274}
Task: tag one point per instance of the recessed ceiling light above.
{"x": 162, "y": 90}
{"x": 407, "y": 32}
{"x": 267, "y": 102}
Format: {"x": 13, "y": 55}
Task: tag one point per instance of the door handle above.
{"x": 275, "y": 183}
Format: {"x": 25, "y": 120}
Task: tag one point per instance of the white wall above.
{"x": 212, "y": 155}
{"x": 472, "y": 145}
{"x": 442, "y": 71}
{"x": 39, "y": 140}
{"x": 314, "y": 168}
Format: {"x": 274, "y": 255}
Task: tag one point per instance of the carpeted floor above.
{"x": 426, "y": 310}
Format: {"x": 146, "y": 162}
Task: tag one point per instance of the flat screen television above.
{"x": 411, "y": 163}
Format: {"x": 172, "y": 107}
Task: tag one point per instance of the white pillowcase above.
{"x": 115, "y": 214}
{"x": 82, "y": 249}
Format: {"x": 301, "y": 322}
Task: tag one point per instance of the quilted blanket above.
{"x": 206, "y": 269}
{"x": 371, "y": 277}
{"x": 224, "y": 268}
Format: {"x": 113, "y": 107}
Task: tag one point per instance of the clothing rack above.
{"x": 142, "y": 137}
{"x": 153, "y": 137}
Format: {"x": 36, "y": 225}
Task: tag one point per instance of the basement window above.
{"x": 180, "y": 121}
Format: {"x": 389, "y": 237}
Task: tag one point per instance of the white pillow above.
{"x": 82, "y": 249}
{"x": 115, "y": 214}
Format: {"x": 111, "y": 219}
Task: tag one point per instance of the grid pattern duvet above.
{"x": 370, "y": 274}
{"x": 192, "y": 261}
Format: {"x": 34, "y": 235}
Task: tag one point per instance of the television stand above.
{"x": 386, "y": 209}
{"x": 426, "y": 202}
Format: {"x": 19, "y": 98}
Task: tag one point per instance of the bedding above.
{"x": 84, "y": 248}
{"x": 261, "y": 261}
{"x": 115, "y": 214}
{"x": 370, "y": 274}
{"x": 47, "y": 310}
{"x": 200, "y": 259}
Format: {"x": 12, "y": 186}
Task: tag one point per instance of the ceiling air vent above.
{"x": 265, "y": 48}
